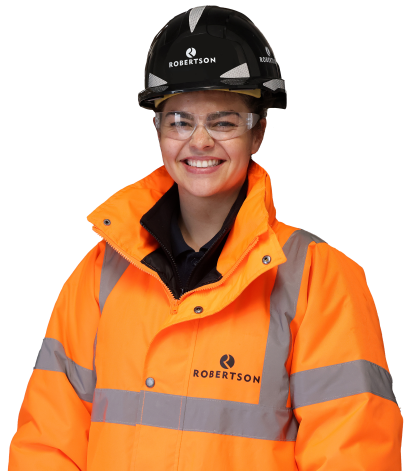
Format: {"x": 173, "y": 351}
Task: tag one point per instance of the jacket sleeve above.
{"x": 341, "y": 388}
{"x": 54, "y": 419}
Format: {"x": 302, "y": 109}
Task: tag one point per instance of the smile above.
{"x": 201, "y": 167}
{"x": 203, "y": 163}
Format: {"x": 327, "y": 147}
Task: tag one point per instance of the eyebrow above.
{"x": 221, "y": 114}
{"x": 183, "y": 114}
{"x": 211, "y": 116}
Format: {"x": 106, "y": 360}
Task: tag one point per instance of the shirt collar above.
{"x": 178, "y": 243}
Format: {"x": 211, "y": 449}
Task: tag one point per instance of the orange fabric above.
{"x": 145, "y": 332}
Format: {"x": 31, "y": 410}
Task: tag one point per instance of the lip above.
{"x": 204, "y": 157}
{"x": 202, "y": 170}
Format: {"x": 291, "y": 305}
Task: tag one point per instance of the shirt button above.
{"x": 150, "y": 382}
{"x": 198, "y": 309}
{"x": 194, "y": 261}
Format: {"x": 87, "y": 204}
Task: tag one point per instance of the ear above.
{"x": 158, "y": 133}
{"x": 258, "y": 132}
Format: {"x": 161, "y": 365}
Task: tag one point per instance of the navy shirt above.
{"x": 185, "y": 257}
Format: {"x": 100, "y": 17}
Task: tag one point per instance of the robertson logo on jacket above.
{"x": 227, "y": 362}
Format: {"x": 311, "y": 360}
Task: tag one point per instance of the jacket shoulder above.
{"x": 293, "y": 235}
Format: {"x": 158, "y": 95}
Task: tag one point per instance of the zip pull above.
{"x": 174, "y": 307}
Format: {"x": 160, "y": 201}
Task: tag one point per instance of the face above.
{"x": 232, "y": 156}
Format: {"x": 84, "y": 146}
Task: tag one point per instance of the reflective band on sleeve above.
{"x": 114, "y": 265}
{"x": 341, "y": 380}
{"x": 52, "y": 357}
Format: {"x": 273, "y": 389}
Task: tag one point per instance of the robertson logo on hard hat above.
{"x": 226, "y": 362}
{"x": 269, "y": 59}
{"x": 191, "y": 53}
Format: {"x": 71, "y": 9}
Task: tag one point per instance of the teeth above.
{"x": 202, "y": 163}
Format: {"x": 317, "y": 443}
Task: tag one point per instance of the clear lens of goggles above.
{"x": 221, "y": 125}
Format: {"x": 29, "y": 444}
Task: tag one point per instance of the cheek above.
{"x": 239, "y": 150}
{"x": 170, "y": 150}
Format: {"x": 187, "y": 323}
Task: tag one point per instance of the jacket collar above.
{"x": 158, "y": 220}
{"x": 161, "y": 220}
{"x": 125, "y": 209}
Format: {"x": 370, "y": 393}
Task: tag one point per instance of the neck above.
{"x": 202, "y": 217}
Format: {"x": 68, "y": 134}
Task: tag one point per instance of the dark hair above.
{"x": 258, "y": 106}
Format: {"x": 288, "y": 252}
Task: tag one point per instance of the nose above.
{"x": 201, "y": 139}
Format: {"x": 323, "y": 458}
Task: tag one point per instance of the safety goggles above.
{"x": 220, "y": 125}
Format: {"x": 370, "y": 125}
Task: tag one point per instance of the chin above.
{"x": 201, "y": 189}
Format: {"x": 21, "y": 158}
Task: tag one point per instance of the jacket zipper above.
{"x": 176, "y": 302}
{"x": 124, "y": 255}
{"x": 170, "y": 256}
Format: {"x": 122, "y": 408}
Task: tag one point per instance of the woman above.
{"x": 201, "y": 332}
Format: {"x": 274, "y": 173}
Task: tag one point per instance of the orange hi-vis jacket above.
{"x": 278, "y": 365}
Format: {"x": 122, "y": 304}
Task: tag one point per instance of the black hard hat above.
{"x": 208, "y": 48}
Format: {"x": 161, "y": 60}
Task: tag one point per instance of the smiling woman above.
{"x": 201, "y": 332}
{"x": 207, "y": 192}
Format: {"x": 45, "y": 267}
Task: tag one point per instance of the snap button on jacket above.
{"x": 278, "y": 365}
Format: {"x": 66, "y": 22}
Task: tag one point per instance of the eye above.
{"x": 180, "y": 124}
{"x": 222, "y": 124}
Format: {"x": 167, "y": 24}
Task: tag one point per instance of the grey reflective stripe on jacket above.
{"x": 270, "y": 419}
{"x": 52, "y": 357}
{"x": 114, "y": 265}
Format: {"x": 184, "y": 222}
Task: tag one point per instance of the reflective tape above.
{"x": 114, "y": 265}
{"x": 275, "y": 380}
{"x": 115, "y": 406}
{"x": 94, "y": 353}
{"x": 194, "y": 16}
{"x": 237, "y": 418}
{"x": 268, "y": 420}
{"x": 241, "y": 71}
{"x": 52, "y": 357}
{"x": 341, "y": 380}
{"x": 274, "y": 84}
{"x": 283, "y": 301}
{"x": 192, "y": 414}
